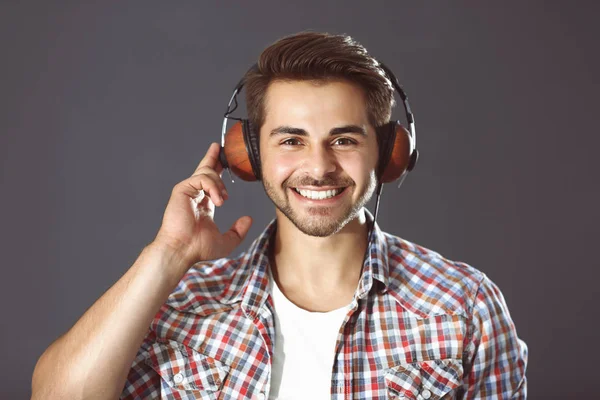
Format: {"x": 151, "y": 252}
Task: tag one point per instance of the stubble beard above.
{"x": 320, "y": 222}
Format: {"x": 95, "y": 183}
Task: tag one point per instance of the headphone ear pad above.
{"x": 396, "y": 150}
{"x": 253, "y": 145}
{"x": 237, "y": 152}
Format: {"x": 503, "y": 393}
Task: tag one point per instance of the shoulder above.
{"x": 210, "y": 286}
{"x": 427, "y": 283}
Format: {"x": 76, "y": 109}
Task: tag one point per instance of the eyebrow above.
{"x": 288, "y": 130}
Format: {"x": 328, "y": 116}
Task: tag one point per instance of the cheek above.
{"x": 357, "y": 166}
{"x": 278, "y": 166}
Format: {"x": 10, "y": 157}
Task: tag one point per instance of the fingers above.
{"x": 213, "y": 181}
{"x": 238, "y": 231}
{"x": 211, "y": 168}
{"x": 210, "y": 184}
{"x": 211, "y": 159}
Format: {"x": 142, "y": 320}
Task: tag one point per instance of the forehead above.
{"x": 289, "y": 102}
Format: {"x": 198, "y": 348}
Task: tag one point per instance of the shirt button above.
{"x": 262, "y": 396}
{"x": 426, "y": 394}
{"x": 178, "y": 378}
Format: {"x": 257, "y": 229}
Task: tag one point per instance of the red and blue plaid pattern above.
{"x": 420, "y": 327}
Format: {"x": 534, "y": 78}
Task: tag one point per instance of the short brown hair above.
{"x": 316, "y": 56}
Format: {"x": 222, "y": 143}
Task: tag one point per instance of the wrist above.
{"x": 172, "y": 247}
{"x": 173, "y": 260}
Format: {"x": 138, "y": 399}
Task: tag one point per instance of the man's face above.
{"x": 318, "y": 153}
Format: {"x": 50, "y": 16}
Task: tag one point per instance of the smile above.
{"x": 319, "y": 194}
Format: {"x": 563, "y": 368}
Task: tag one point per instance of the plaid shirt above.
{"x": 420, "y": 327}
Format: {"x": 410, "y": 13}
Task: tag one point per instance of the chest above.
{"x": 380, "y": 351}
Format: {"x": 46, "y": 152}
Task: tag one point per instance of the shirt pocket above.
{"x": 182, "y": 368}
{"x": 424, "y": 380}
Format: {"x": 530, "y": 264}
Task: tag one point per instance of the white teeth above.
{"x": 320, "y": 194}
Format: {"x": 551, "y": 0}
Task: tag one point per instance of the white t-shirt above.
{"x": 304, "y": 349}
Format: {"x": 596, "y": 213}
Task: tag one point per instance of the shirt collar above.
{"x": 256, "y": 261}
{"x": 375, "y": 266}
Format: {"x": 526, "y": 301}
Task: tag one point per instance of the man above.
{"x": 303, "y": 313}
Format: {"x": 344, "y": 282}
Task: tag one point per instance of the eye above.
{"x": 291, "y": 142}
{"x": 343, "y": 141}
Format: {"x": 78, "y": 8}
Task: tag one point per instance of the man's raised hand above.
{"x": 188, "y": 226}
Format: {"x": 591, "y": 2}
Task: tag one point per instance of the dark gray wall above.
{"x": 103, "y": 108}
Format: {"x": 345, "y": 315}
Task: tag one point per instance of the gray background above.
{"x": 103, "y": 108}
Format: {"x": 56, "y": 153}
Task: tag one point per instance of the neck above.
{"x": 319, "y": 273}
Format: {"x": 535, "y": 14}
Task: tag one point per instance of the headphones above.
{"x": 240, "y": 151}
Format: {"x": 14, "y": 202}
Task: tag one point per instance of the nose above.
{"x": 321, "y": 161}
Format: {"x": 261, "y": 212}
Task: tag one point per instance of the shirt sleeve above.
{"x": 143, "y": 382}
{"x": 497, "y": 357}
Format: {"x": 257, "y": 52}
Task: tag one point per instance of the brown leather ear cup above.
{"x": 395, "y": 152}
{"x": 237, "y": 152}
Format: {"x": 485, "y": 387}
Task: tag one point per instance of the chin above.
{"x": 319, "y": 222}
{"x": 318, "y": 228}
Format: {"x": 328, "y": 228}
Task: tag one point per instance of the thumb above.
{"x": 234, "y": 236}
